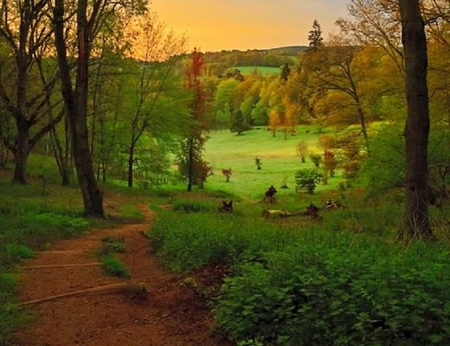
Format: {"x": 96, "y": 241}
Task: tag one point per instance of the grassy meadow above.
{"x": 340, "y": 280}
{"x": 264, "y": 70}
{"x": 279, "y": 159}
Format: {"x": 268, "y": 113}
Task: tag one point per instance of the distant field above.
{"x": 279, "y": 161}
{"x": 265, "y": 70}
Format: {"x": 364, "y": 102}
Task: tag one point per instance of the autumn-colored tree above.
{"x": 302, "y": 150}
{"x": 329, "y": 163}
{"x": 341, "y": 76}
{"x": 191, "y": 163}
{"x": 376, "y": 23}
{"x": 326, "y": 142}
{"x": 274, "y": 121}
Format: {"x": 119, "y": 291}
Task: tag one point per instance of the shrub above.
{"x": 308, "y": 178}
{"x": 16, "y": 252}
{"x": 316, "y": 159}
{"x": 339, "y": 291}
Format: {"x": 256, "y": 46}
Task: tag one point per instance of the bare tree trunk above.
{"x": 417, "y": 122}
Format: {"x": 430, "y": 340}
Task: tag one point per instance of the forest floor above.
{"x": 171, "y": 312}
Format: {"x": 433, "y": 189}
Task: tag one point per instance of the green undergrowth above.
{"x": 31, "y": 219}
{"x": 113, "y": 266}
{"x": 342, "y": 281}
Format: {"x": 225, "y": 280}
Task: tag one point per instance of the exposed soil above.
{"x": 173, "y": 312}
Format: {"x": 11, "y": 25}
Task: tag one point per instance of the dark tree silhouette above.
{"x": 315, "y": 35}
{"x": 417, "y": 126}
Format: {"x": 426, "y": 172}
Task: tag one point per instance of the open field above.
{"x": 279, "y": 159}
{"x": 265, "y": 70}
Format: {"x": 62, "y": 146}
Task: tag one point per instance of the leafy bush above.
{"x": 316, "y": 159}
{"x": 16, "y": 252}
{"x": 308, "y": 178}
{"x": 340, "y": 291}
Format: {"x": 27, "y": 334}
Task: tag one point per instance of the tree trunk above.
{"x": 417, "y": 122}
{"x": 130, "y": 165}
{"x": 76, "y": 105}
{"x": 21, "y": 152}
{"x": 191, "y": 164}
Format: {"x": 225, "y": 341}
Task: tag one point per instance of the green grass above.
{"x": 112, "y": 244}
{"x": 264, "y": 70}
{"x": 279, "y": 162}
{"x": 113, "y": 266}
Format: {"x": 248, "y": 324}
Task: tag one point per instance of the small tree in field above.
{"x": 239, "y": 124}
{"x": 302, "y": 150}
{"x": 274, "y": 121}
{"x": 329, "y": 163}
{"x": 308, "y": 178}
{"x": 258, "y": 163}
{"x": 326, "y": 142}
{"x": 227, "y": 173}
{"x": 316, "y": 159}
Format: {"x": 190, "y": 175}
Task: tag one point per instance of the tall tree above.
{"x": 153, "y": 83}
{"x": 315, "y": 35}
{"x": 341, "y": 79}
{"x": 376, "y": 23}
{"x": 90, "y": 17}
{"x": 191, "y": 162}
{"x": 24, "y": 35}
{"x": 417, "y": 125}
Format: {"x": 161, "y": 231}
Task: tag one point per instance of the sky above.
{"x": 213, "y": 25}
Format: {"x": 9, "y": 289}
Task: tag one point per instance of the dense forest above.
{"x": 111, "y": 95}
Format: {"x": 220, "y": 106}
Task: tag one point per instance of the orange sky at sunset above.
{"x": 214, "y": 25}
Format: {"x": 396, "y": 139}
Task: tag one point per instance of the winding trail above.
{"x": 170, "y": 314}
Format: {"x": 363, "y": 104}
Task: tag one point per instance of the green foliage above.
{"x": 113, "y": 244}
{"x": 316, "y": 159}
{"x": 314, "y": 286}
{"x": 189, "y": 241}
{"x": 308, "y": 178}
{"x": 113, "y": 266}
{"x": 30, "y": 220}
{"x": 10, "y": 315}
{"x": 16, "y": 252}
{"x": 193, "y": 205}
{"x": 238, "y": 123}
{"x": 384, "y": 169}
{"x": 339, "y": 290}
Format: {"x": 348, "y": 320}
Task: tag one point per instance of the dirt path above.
{"x": 170, "y": 314}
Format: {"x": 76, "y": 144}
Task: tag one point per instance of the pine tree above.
{"x": 315, "y": 35}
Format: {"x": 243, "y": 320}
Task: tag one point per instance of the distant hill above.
{"x": 219, "y": 62}
{"x": 288, "y": 51}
